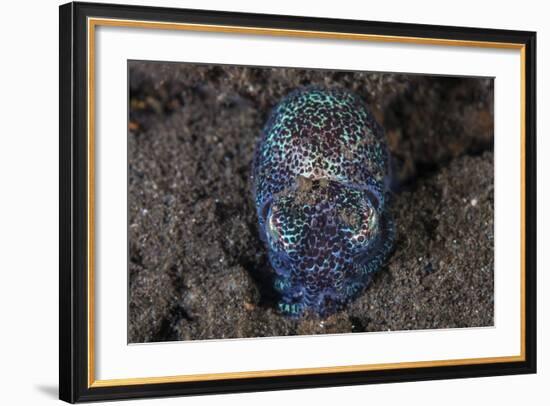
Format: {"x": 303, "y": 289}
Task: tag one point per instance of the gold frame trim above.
{"x": 92, "y": 23}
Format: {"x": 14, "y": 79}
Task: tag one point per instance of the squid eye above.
{"x": 373, "y": 198}
{"x": 373, "y": 220}
{"x": 265, "y": 210}
{"x": 271, "y": 226}
{"x": 367, "y": 228}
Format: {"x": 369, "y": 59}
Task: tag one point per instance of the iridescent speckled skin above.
{"x": 320, "y": 182}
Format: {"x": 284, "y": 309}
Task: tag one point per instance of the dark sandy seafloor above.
{"x": 197, "y": 268}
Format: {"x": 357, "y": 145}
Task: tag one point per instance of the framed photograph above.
{"x": 255, "y": 202}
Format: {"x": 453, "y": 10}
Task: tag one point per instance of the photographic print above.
{"x": 274, "y": 201}
{"x": 261, "y": 202}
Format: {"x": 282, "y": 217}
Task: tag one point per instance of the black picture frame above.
{"x": 74, "y": 385}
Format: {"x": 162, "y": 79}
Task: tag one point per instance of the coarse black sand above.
{"x": 197, "y": 268}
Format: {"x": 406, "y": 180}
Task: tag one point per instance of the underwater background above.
{"x": 197, "y": 267}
